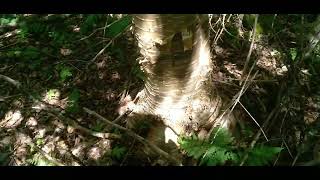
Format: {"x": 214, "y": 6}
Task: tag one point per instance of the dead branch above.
{"x": 136, "y": 136}
{"x": 251, "y": 47}
{"x": 46, "y": 155}
{"x": 84, "y": 129}
{"x": 12, "y": 81}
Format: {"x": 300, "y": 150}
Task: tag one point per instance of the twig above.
{"x": 84, "y": 129}
{"x": 275, "y": 162}
{"x": 8, "y": 97}
{"x": 252, "y": 144}
{"x": 8, "y": 34}
{"x": 295, "y": 159}
{"x": 265, "y": 136}
{"x": 273, "y": 114}
{"x": 96, "y": 30}
{"x": 289, "y": 151}
{"x": 216, "y": 38}
{"x": 46, "y": 155}
{"x": 231, "y": 105}
{"x": 3, "y": 47}
{"x": 103, "y": 49}
{"x": 126, "y": 156}
{"x": 12, "y": 81}
{"x": 131, "y": 133}
{"x": 311, "y": 163}
{"x": 251, "y": 47}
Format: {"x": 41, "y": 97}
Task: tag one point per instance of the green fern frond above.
{"x": 221, "y": 137}
{"x": 217, "y": 151}
{"x": 262, "y": 155}
{"x": 193, "y": 146}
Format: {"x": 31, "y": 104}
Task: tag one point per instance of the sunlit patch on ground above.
{"x": 12, "y": 119}
{"x": 99, "y": 149}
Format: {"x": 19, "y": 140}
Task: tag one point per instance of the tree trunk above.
{"x": 177, "y": 65}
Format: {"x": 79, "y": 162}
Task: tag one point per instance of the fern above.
{"x": 193, "y": 146}
{"x": 218, "y": 156}
{"x": 262, "y": 155}
{"x": 220, "y": 150}
{"x": 118, "y": 152}
{"x": 217, "y": 151}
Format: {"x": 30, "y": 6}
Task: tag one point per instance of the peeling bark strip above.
{"x": 177, "y": 64}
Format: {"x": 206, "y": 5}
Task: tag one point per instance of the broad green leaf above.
{"x": 118, "y": 26}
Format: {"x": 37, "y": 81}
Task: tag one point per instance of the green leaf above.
{"x": 293, "y": 53}
{"x": 117, "y": 152}
{"x": 73, "y": 100}
{"x": 262, "y": 155}
{"x": 31, "y": 52}
{"x": 219, "y": 156}
{"x": 39, "y": 142}
{"x": 118, "y": 26}
{"x": 65, "y": 73}
{"x": 221, "y": 137}
{"x": 52, "y": 93}
{"x": 3, "y": 157}
{"x": 193, "y": 146}
{"x": 98, "y": 126}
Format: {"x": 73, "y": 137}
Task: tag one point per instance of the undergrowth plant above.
{"x": 222, "y": 149}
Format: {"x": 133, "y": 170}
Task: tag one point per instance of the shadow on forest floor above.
{"x": 62, "y": 79}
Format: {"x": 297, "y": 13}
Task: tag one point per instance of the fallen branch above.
{"x": 84, "y": 129}
{"x": 46, "y": 155}
{"x": 136, "y": 136}
{"x": 12, "y": 81}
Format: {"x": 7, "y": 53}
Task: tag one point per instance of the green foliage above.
{"x": 65, "y": 72}
{"x": 220, "y": 150}
{"x": 38, "y": 160}
{"x": 118, "y": 152}
{"x": 40, "y": 142}
{"x": 73, "y": 101}
{"x": 8, "y": 20}
{"x": 193, "y": 146}
{"x": 261, "y": 155}
{"x": 118, "y": 26}
{"x": 4, "y": 156}
{"x": 51, "y": 93}
{"x": 293, "y": 53}
{"x": 98, "y": 126}
{"x": 90, "y": 22}
{"x": 217, "y": 151}
{"x": 5, "y": 152}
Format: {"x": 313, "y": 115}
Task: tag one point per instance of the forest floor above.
{"x": 42, "y": 121}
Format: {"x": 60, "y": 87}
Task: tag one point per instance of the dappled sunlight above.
{"x": 12, "y": 119}
{"x": 155, "y": 89}
{"x": 268, "y": 59}
{"x": 99, "y": 149}
{"x": 170, "y": 136}
{"x": 177, "y": 88}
